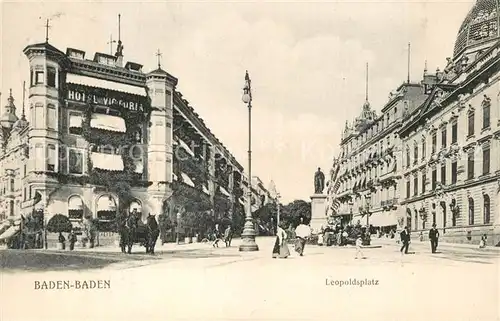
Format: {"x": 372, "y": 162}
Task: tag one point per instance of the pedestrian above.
{"x": 228, "y": 236}
{"x": 72, "y": 240}
{"x": 482, "y": 243}
{"x": 405, "y": 239}
{"x": 302, "y": 232}
{"x": 280, "y": 249}
{"x": 433, "y": 237}
{"x": 217, "y": 234}
{"x": 359, "y": 242}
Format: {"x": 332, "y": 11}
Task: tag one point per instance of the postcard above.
{"x": 250, "y": 160}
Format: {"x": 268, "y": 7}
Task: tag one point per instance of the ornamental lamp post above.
{"x": 248, "y": 236}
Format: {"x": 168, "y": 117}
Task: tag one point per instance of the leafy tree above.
{"x": 59, "y": 223}
{"x": 294, "y": 211}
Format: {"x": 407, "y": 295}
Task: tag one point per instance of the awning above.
{"x": 110, "y": 162}
{"x": 187, "y": 180}
{"x": 186, "y": 147}
{"x": 174, "y": 177}
{"x": 106, "y": 204}
{"x": 224, "y": 191}
{"x": 242, "y": 202}
{"x": 376, "y": 219}
{"x": 108, "y": 122}
{"x": 254, "y": 208}
{"x": 75, "y": 203}
{"x": 105, "y": 84}
{"x": 10, "y": 232}
{"x": 75, "y": 121}
{"x": 205, "y": 190}
{"x": 382, "y": 219}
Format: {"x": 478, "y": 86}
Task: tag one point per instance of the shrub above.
{"x": 59, "y": 223}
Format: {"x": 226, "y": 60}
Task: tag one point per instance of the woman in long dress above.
{"x": 280, "y": 249}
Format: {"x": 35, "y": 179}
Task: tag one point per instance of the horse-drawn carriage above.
{"x": 133, "y": 231}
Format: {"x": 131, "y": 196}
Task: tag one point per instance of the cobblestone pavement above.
{"x": 198, "y": 282}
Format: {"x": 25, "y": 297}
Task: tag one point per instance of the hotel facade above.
{"x": 95, "y": 134}
{"x": 446, "y": 144}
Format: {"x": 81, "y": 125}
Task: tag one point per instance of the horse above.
{"x": 153, "y": 231}
{"x": 127, "y": 233}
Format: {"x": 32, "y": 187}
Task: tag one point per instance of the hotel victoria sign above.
{"x": 102, "y": 97}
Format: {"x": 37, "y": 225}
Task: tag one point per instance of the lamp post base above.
{"x": 248, "y": 238}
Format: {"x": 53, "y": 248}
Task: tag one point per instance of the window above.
{"x": 39, "y": 121}
{"x": 415, "y": 153}
{"x": 433, "y": 213}
{"x": 470, "y": 165}
{"x": 75, "y": 208}
{"x": 39, "y": 158}
{"x": 434, "y": 178}
{"x": 51, "y": 158}
{"x": 454, "y": 132}
{"x": 408, "y": 188}
{"x": 51, "y": 77}
{"x": 486, "y": 160}
{"x": 11, "y": 185}
{"x": 471, "y": 123}
{"x": 416, "y": 220}
{"x": 51, "y": 116}
{"x": 486, "y": 209}
{"x": 75, "y": 161}
{"x": 424, "y": 147}
{"x": 407, "y": 157}
{"x": 486, "y": 115}
{"x": 424, "y": 178}
{"x": 75, "y": 123}
{"x": 443, "y": 174}
{"x": 434, "y": 142}
{"x": 471, "y": 211}
{"x": 443, "y": 138}
{"x": 454, "y": 172}
{"x": 415, "y": 185}
{"x": 39, "y": 78}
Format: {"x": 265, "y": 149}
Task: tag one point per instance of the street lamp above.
{"x": 178, "y": 226}
{"x": 248, "y": 235}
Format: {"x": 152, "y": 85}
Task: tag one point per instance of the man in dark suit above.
{"x": 433, "y": 237}
{"x": 405, "y": 239}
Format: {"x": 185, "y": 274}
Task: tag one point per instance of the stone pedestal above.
{"x": 318, "y": 211}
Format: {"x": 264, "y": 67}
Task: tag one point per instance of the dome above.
{"x": 9, "y": 116}
{"x": 479, "y": 26}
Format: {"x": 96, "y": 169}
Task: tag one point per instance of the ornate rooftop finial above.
{"x": 158, "y": 55}
{"x": 409, "y": 59}
{"x": 119, "y": 46}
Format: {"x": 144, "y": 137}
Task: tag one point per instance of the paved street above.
{"x": 198, "y": 282}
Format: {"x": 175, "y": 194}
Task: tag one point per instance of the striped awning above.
{"x": 106, "y": 204}
{"x": 105, "y": 84}
{"x": 110, "y": 162}
{"x": 108, "y": 122}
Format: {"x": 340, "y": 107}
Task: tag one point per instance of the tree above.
{"x": 59, "y": 223}
{"x": 294, "y": 211}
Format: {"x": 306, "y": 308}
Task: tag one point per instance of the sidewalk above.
{"x": 388, "y": 242}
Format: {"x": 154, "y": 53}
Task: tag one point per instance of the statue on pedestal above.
{"x": 319, "y": 182}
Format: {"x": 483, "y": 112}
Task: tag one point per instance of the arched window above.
{"x": 75, "y": 207}
{"x": 106, "y": 208}
{"x": 471, "y": 211}
{"x": 486, "y": 209}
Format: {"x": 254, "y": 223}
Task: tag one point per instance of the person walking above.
{"x": 302, "y": 232}
{"x": 405, "y": 239}
{"x": 280, "y": 249}
{"x": 433, "y": 237}
{"x": 228, "y": 236}
{"x": 217, "y": 234}
{"x": 359, "y": 242}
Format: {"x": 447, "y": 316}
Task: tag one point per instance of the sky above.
{"x": 306, "y": 59}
